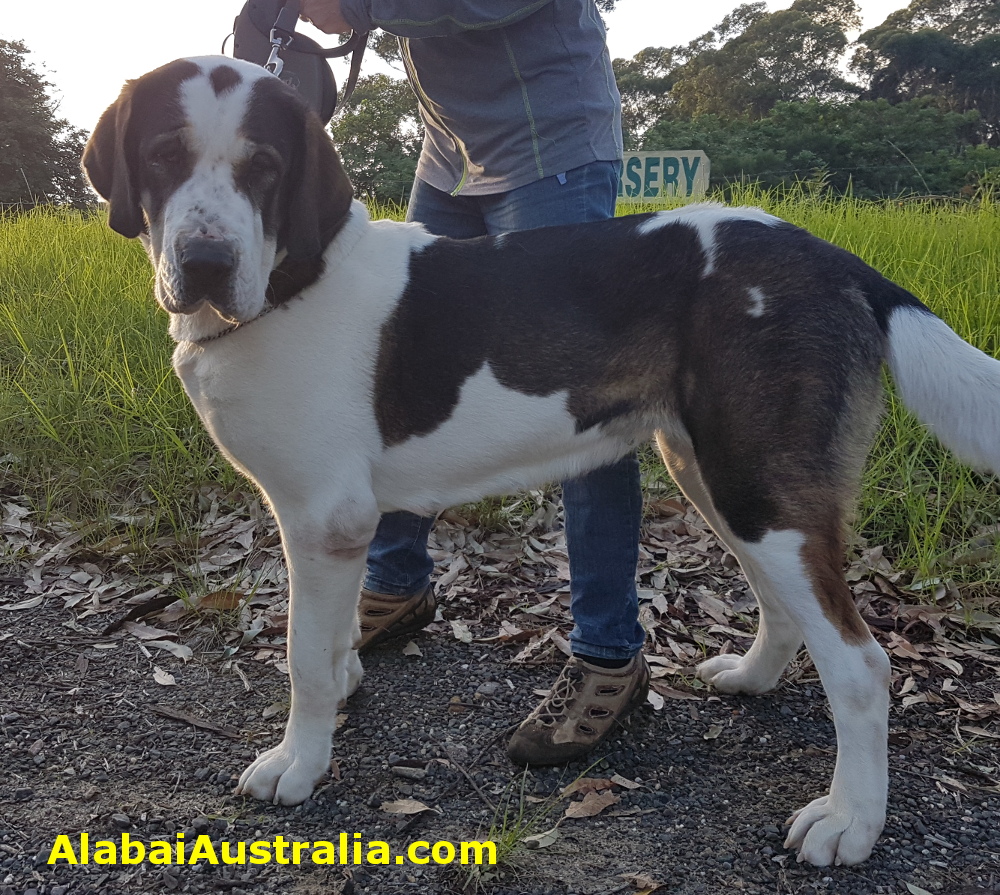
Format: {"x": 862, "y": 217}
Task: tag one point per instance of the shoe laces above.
{"x": 554, "y": 707}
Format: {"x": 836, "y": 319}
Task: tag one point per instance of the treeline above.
{"x": 911, "y": 107}
{"x": 768, "y": 97}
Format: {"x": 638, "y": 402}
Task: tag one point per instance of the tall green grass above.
{"x": 96, "y": 432}
{"x": 94, "y": 427}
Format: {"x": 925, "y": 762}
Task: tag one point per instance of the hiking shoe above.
{"x": 384, "y": 616}
{"x": 582, "y": 709}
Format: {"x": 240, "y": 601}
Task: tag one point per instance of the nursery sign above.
{"x": 647, "y": 176}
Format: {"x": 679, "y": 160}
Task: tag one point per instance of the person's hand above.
{"x": 325, "y": 15}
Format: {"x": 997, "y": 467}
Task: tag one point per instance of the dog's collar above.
{"x": 234, "y": 327}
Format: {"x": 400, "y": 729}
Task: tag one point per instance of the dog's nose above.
{"x": 207, "y": 265}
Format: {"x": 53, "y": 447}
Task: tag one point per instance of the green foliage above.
{"x": 869, "y": 148}
{"x": 644, "y": 82}
{"x": 949, "y": 49}
{"x": 764, "y": 96}
{"x": 379, "y": 136}
{"x": 39, "y": 153}
{"x": 756, "y": 59}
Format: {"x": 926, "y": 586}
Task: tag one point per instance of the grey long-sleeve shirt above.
{"x": 510, "y": 91}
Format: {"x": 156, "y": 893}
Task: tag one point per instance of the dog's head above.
{"x": 224, "y": 173}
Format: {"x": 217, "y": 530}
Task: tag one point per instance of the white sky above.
{"x": 87, "y": 50}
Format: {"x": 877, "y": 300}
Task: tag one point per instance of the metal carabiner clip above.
{"x": 274, "y": 62}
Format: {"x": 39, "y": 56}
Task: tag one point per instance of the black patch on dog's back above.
{"x": 563, "y": 308}
{"x": 776, "y": 399}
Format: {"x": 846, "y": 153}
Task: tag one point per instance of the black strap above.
{"x": 283, "y": 29}
{"x": 352, "y": 75}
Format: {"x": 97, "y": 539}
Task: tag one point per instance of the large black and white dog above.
{"x": 352, "y": 367}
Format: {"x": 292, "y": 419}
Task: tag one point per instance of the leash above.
{"x": 264, "y": 33}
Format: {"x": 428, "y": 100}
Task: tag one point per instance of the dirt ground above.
{"x": 122, "y": 710}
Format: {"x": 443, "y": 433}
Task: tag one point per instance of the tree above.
{"x": 379, "y": 137}
{"x": 965, "y": 20}
{"x": 755, "y": 59}
{"x": 644, "y": 83}
{"x": 748, "y": 63}
{"x": 949, "y": 49}
{"x": 39, "y": 153}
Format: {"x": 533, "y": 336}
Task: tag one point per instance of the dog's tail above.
{"x": 952, "y": 387}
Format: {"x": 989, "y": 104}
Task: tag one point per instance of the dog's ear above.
{"x": 320, "y": 196}
{"x": 108, "y": 165}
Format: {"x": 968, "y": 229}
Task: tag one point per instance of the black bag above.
{"x": 264, "y": 33}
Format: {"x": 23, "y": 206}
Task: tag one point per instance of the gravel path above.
{"x": 87, "y": 750}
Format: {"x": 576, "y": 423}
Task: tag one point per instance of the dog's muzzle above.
{"x": 207, "y": 267}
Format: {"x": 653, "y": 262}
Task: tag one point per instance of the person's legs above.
{"x": 398, "y": 563}
{"x": 603, "y": 508}
{"x": 607, "y": 677}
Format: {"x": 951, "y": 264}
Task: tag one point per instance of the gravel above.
{"x": 84, "y": 752}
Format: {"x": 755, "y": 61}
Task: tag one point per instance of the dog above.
{"x": 351, "y": 368}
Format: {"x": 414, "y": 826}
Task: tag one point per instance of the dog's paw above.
{"x": 732, "y": 674}
{"x": 827, "y": 832}
{"x": 284, "y": 775}
{"x": 354, "y": 672}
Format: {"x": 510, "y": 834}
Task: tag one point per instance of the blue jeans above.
{"x": 603, "y": 509}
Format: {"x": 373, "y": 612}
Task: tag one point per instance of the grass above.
{"x": 96, "y": 432}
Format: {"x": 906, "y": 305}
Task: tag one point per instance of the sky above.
{"x": 87, "y": 50}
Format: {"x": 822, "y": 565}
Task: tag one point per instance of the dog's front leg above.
{"x": 325, "y": 566}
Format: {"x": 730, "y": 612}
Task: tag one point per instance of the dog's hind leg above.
{"x": 325, "y": 551}
{"x": 778, "y": 636}
{"x": 804, "y": 573}
{"x": 795, "y": 567}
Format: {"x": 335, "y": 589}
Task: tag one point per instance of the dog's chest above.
{"x": 220, "y": 399}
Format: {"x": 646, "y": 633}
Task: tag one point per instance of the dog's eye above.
{"x": 263, "y": 165}
{"x": 165, "y": 158}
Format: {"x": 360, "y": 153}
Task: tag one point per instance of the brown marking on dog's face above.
{"x": 146, "y": 108}
{"x": 315, "y": 193}
{"x": 190, "y": 161}
{"x": 224, "y": 78}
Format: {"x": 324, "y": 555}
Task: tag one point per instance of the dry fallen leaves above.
{"x": 542, "y": 840}
{"x": 585, "y": 785}
{"x": 163, "y": 678}
{"x": 644, "y": 883}
{"x": 500, "y": 587}
{"x": 405, "y": 806}
{"x": 593, "y": 803}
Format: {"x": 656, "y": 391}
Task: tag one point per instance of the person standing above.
{"x": 522, "y": 129}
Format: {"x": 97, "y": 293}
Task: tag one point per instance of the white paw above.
{"x": 354, "y": 672}
{"x": 732, "y": 674}
{"x": 284, "y": 775}
{"x": 828, "y": 832}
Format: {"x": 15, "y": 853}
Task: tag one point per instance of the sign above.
{"x": 648, "y": 176}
